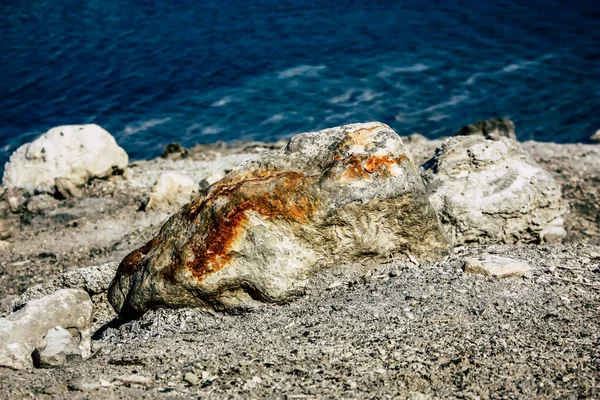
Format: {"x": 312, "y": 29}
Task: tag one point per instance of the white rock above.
{"x": 496, "y": 266}
{"x": 596, "y": 136}
{"x": 133, "y": 379}
{"x": 57, "y": 348}
{"x": 74, "y": 152}
{"x": 171, "y": 190}
{"x": 22, "y": 331}
{"x": 491, "y": 191}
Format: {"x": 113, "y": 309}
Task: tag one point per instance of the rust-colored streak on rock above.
{"x": 131, "y": 263}
{"x": 286, "y": 196}
{"x": 361, "y": 167}
{"x": 354, "y": 168}
{"x": 382, "y": 164}
{"x": 360, "y": 137}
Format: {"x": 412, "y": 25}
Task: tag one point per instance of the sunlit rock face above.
{"x": 342, "y": 195}
{"x": 67, "y": 155}
{"x": 491, "y": 191}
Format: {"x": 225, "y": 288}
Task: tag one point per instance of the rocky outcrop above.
{"x": 23, "y": 331}
{"x": 73, "y": 153}
{"x": 337, "y": 196}
{"x": 171, "y": 190}
{"x": 498, "y": 126}
{"x": 491, "y": 191}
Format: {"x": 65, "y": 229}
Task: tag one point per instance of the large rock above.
{"x": 23, "y": 331}
{"x": 491, "y": 191}
{"x": 490, "y": 127}
{"x": 74, "y": 153}
{"x": 341, "y": 195}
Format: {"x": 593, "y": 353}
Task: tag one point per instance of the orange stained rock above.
{"x": 288, "y": 196}
{"x": 362, "y": 167}
{"x": 131, "y": 263}
{"x": 360, "y": 137}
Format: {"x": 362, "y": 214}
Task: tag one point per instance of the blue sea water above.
{"x": 154, "y": 72}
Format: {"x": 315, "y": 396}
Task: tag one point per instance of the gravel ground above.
{"x": 399, "y": 330}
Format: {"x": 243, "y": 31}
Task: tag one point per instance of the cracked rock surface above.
{"x": 492, "y": 191}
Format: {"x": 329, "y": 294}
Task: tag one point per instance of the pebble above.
{"x": 496, "y": 266}
{"x": 133, "y": 379}
{"x": 191, "y": 378}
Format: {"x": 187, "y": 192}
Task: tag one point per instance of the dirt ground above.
{"x": 398, "y": 331}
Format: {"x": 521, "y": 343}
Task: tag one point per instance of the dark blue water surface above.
{"x": 153, "y": 72}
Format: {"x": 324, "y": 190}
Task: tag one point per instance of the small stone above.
{"x": 553, "y": 234}
{"x": 496, "y": 266}
{"x": 5, "y": 230}
{"x": 174, "y": 151}
{"x": 133, "y": 379}
{"x": 335, "y": 284}
{"x": 16, "y": 199}
{"x": 191, "y": 378}
{"x": 596, "y": 136}
{"x": 105, "y": 383}
{"x": 66, "y": 188}
{"x": 499, "y": 127}
{"x": 41, "y": 203}
{"x": 84, "y": 386}
{"x": 594, "y": 254}
{"x": 57, "y": 349}
{"x": 171, "y": 190}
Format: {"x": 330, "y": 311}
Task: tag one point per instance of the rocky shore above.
{"x": 409, "y": 326}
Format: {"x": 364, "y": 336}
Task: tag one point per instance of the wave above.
{"x": 142, "y": 126}
{"x": 301, "y": 70}
{"x": 388, "y": 71}
{"x": 223, "y": 101}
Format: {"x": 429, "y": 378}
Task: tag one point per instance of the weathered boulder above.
{"x": 22, "y": 331}
{"x": 491, "y": 191}
{"x": 341, "y": 195}
{"x": 76, "y": 153}
{"x": 497, "y": 126}
{"x": 171, "y": 190}
{"x": 57, "y": 349}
